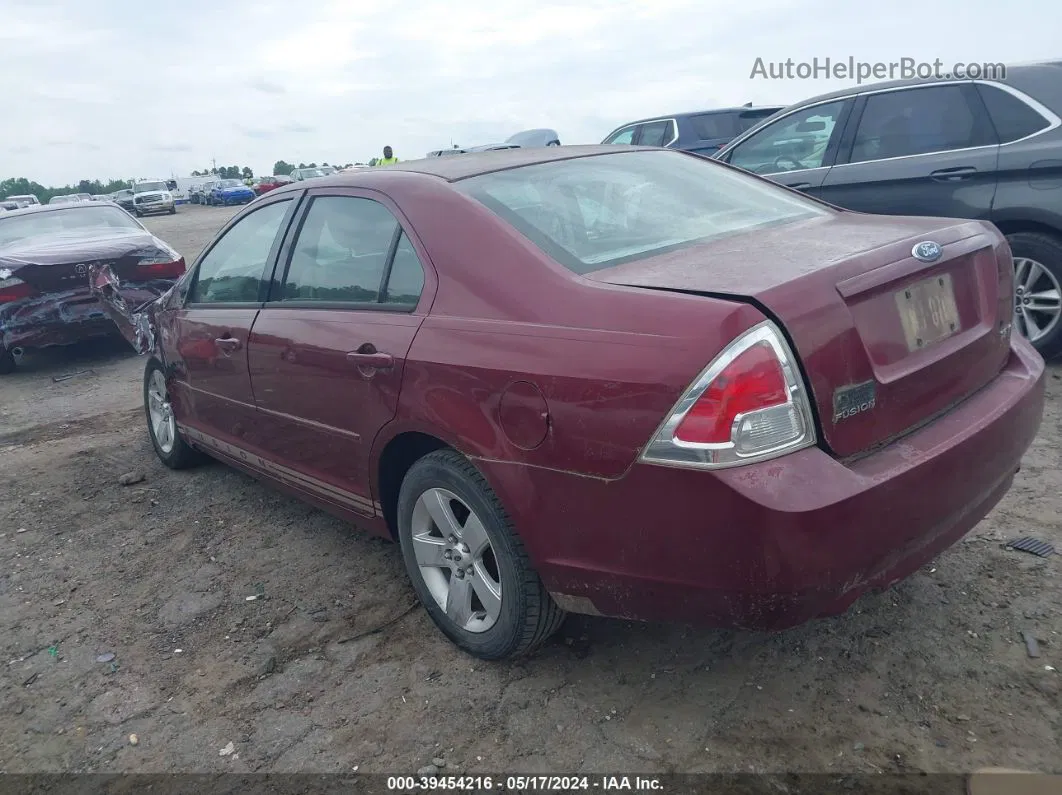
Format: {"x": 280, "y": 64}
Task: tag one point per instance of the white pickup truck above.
{"x": 154, "y": 196}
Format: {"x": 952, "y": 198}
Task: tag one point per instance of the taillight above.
{"x": 155, "y": 269}
{"x": 14, "y": 289}
{"x": 750, "y": 404}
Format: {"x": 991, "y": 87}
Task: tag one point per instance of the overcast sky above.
{"x": 120, "y": 88}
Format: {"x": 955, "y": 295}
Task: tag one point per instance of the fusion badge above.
{"x": 851, "y": 400}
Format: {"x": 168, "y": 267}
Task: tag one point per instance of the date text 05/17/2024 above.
{"x": 522, "y": 783}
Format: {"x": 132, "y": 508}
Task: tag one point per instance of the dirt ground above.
{"x": 931, "y": 676}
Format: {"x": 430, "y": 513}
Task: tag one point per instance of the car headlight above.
{"x": 167, "y": 196}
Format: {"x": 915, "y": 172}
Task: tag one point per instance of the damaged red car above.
{"x": 615, "y": 381}
{"x": 46, "y": 256}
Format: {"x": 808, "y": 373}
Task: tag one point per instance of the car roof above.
{"x": 712, "y": 111}
{"x": 1046, "y": 69}
{"x": 468, "y": 165}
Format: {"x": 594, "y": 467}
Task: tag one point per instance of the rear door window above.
{"x": 656, "y": 133}
{"x": 1012, "y": 117}
{"x": 341, "y": 251}
{"x": 915, "y": 122}
{"x": 352, "y": 250}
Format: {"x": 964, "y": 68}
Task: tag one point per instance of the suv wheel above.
{"x": 7, "y": 362}
{"x": 1038, "y": 290}
{"x": 467, "y": 564}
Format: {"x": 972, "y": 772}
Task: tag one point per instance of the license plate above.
{"x": 928, "y": 311}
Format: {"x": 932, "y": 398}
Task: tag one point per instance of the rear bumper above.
{"x": 66, "y": 317}
{"x": 771, "y": 545}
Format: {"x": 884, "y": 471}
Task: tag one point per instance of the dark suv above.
{"x": 983, "y": 149}
{"x": 704, "y": 132}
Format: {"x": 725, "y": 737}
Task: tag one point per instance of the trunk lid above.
{"x": 886, "y": 341}
{"x": 59, "y": 264}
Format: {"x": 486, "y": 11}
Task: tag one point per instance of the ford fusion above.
{"x": 615, "y": 381}
{"x": 46, "y": 254}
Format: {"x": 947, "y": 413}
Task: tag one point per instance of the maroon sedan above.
{"x": 616, "y": 381}
{"x": 46, "y": 255}
{"x": 266, "y": 184}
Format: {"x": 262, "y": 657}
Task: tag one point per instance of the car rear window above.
{"x": 65, "y": 221}
{"x": 714, "y": 125}
{"x": 748, "y": 119}
{"x": 594, "y": 212}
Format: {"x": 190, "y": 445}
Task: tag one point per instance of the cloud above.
{"x": 266, "y": 86}
{"x": 331, "y": 80}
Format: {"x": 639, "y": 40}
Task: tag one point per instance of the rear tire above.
{"x": 515, "y": 613}
{"x": 7, "y": 362}
{"x": 169, "y": 445}
{"x": 1038, "y": 271}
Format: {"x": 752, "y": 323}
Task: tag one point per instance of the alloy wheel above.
{"x": 163, "y": 424}
{"x": 456, "y": 560}
{"x": 1037, "y": 299}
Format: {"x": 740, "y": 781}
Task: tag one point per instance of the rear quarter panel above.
{"x": 609, "y": 361}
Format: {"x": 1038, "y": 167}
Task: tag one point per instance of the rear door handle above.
{"x": 371, "y": 361}
{"x": 799, "y": 185}
{"x": 227, "y": 344}
{"x": 953, "y": 174}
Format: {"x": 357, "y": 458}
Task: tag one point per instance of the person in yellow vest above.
{"x": 388, "y": 158}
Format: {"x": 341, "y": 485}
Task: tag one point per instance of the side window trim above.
{"x": 982, "y": 123}
{"x": 268, "y": 268}
{"x": 282, "y": 262}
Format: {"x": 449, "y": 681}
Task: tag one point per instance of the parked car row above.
{"x": 221, "y": 192}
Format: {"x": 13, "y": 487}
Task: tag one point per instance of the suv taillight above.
{"x": 750, "y": 404}
{"x": 14, "y": 289}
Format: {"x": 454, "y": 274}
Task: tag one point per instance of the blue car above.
{"x": 704, "y": 132}
{"x": 230, "y": 191}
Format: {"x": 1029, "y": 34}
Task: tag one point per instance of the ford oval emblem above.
{"x": 926, "y": 251}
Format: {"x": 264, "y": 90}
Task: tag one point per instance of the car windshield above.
{"x": 144, "y": 187}
{"x": 591, "y": 213}
{"x": 309, "y": 173}
{"x": 122, "y": 193}
{"x": 87, "y": 218}
{"x": 21, "y": 198}
{"x": 229, "y": 183}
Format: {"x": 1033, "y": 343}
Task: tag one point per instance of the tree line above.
{"x": 20, "y": 186}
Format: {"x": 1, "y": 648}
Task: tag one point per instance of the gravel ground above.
{"x": 124, "y": 610}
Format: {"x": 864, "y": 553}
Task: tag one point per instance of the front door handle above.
{"x": 377, "y": 361}
{"x": 953, "y": 174}
{"x": 227, "y": 344}
{"x": 799, "y": 185}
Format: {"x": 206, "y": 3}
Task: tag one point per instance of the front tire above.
{"x": 7, "y": 362}
{"x": 1038, "y": 290}
{"x": 466, "y": 563}
{"x": 173, "y": 211}
{"x": 169, "y": 445}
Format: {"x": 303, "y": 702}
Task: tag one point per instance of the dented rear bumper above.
{"x": 66, "y": 317}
